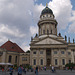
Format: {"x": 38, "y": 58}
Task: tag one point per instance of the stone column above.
{"x": 37, "y": 60}
{"x": 66, "y": 56}
{"x": 60, "y": 60}
{"x": 52, "y": 56}
{"x": 45, "y": 63}
{"x": 72, "y": 56}
{"x": 31, "y": 57}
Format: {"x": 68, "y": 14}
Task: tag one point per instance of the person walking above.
{"x": 20, "y": 70}
{"x": 52, "y": 68}
{"x": 36, "y": 70}
{"x": 11, "y": 70}
{"x": 71, "y": 68}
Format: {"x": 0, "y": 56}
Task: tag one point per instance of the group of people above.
{"x": 20, "y": 69}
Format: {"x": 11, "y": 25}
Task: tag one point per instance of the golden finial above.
{"x": 46, "y": 5}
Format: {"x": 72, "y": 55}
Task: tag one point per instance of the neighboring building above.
{"x": 48, "y": 48}
{"x": 11, "y": 53}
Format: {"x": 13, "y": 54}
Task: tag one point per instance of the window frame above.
{"x": 24, "y": 58}
{"x": 63, "y": 61}
{"x": 41, "y": 61}
{"x": 62, "y": 52}
{"x": 10, "y": 59}
{"x": 41, "y": 52}
{"x": 55, "y": 52}
{"x": 34, "y": 62}
{"x": 34, "y": 52}
{"x": 56, "y": 62}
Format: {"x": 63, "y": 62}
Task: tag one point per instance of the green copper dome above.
{"x": 46, "y": 11}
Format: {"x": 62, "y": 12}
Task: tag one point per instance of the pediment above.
{"x": 49, "y": 41}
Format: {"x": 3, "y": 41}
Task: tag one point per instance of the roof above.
{"x": 10, "y": 46}
{"x": 46, "y": 10}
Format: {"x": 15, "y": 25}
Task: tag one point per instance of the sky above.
{"x": 19, "y": 18}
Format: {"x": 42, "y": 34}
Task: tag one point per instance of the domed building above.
{"x": 48, "y": 48}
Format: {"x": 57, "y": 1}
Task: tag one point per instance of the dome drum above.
{"x": 47, "y": 21}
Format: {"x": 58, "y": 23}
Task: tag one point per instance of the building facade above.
{"x": 48, "y": 48}
{"x": 11, "y": 53}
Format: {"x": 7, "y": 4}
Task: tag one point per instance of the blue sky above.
{"x": 19, "y": 18}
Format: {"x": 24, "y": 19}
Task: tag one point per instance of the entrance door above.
{"x": 48, "y": 57}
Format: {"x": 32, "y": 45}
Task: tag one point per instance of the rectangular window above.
{"x": 41, "y": 52}
{"x": 10, "y": 58}
{"x": 41, "y": 61}
{"x": 56, "y": 62}
{"x": 55, "y": 52}
{"x": 69, "y": 61}
{"x": 24, "y": 58}
{"x": 47, "y": 32}
{"x": 34, "y": 61}
{"x": 69, "y": 53}
{"x": 43, "y": 31}
{"x": 16, "y": 59}
{"x": 63, "y": 61}
{"x": 34, "y": 52}
{"x": 62, "y": 52}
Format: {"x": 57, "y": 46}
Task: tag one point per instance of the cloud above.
{"x": 25, "y": 47}
{"x": 71, "y": 28}
{"x": 33, "y": 30}
{"x": 62, "y": 11}
{"x": 19, "y": 18}
{"x": 4, "y": 29}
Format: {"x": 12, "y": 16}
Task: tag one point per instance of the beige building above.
{"x": 11, "y": 53}
{"x": 48, "y": 48}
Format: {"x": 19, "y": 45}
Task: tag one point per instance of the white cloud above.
{"x": 62, "y": 10}
{"x": 33, "y": 30}
{"x": 14, "y": 32}
{"x": 72, "y": 25}
{"x": 24, "y": 47}
{"x": 18, "y": 18}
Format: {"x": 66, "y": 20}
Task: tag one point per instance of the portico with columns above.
{"x": 48, "y": 48}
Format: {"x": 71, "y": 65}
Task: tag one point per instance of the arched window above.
{"x": 10, "y": 58}
{"x": 63, "y": 61}
{"x": 55, "y": 26}
{"x": 34, "y": 61}
{"x": 43, "y": 31}
{"x": 16, "y": 59}
{"x": 41, "y": 61}
{"x": 51, "y": 31}
{"x": 56, "y": 62}
{"x": 47, "y": 32}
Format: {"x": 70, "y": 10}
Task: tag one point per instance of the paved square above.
{"x": 48, "y": 72}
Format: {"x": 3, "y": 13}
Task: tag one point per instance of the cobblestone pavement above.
{"x": 48, "y": 72}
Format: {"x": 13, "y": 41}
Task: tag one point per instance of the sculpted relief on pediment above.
{"x": 49, "y": 41}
